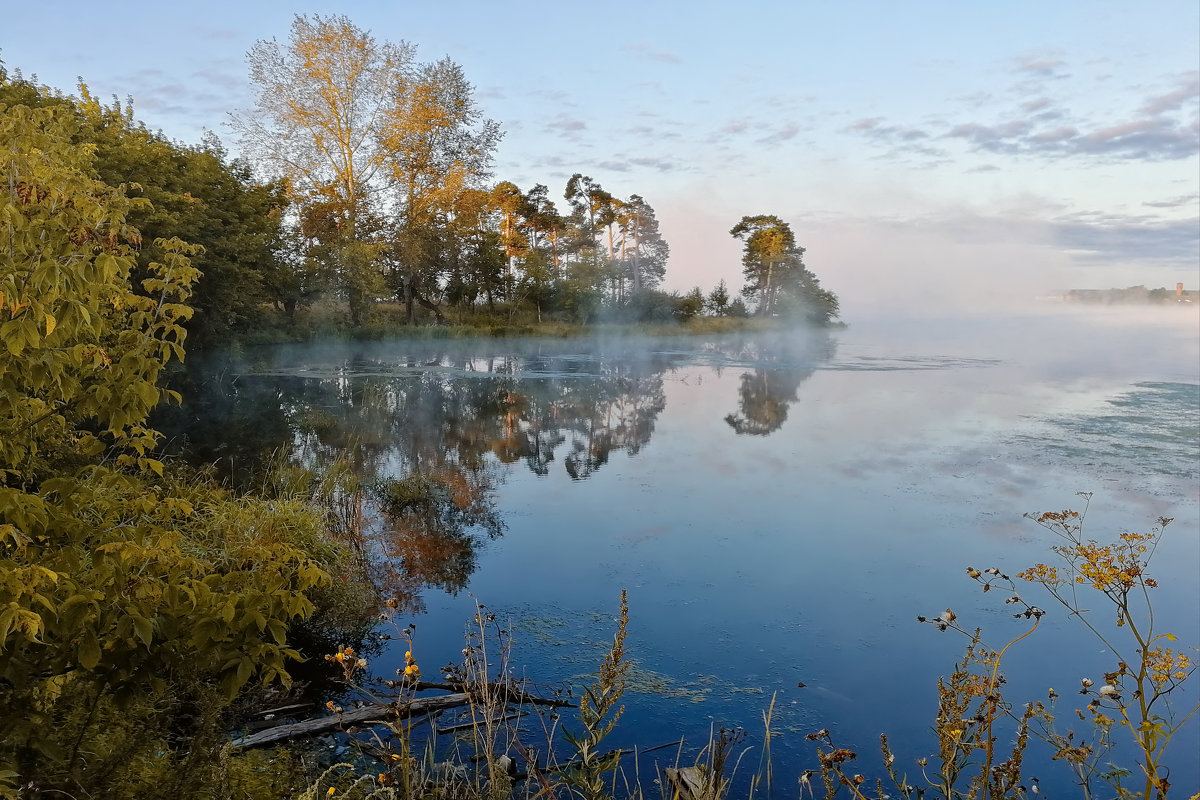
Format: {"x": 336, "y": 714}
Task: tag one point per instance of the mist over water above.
{"x": 780, "y": 507}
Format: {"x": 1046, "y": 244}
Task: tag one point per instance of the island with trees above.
{"x": 372, "y": 207}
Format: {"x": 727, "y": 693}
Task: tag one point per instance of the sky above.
{"x": 925, "y": 153}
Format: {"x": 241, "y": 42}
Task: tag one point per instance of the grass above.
{"x": 329, "y": 321}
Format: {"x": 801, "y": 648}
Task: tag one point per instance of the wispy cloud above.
{"x": 566, "y": 127}
{"x": 1188, "y": 91}
{"x": 1042, "y": 66}
{"x": 649, "y": 52}
{"x": 1114, "y": 239}
{"x": 1162, "y": 129}
{"x": 1174, "y": 202}
{"x": 782, "y": 134}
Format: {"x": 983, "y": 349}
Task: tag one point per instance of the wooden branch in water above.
{"x": 508, "y": 691}
{"x": 372, "y": 714}
{"x": 378, "y": 713}
{"x": 463, "y": 726}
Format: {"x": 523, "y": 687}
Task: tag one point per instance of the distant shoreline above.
{"x": 1133, "y": 295}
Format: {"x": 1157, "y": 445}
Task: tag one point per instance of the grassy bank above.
{"x": 330, "y": 321}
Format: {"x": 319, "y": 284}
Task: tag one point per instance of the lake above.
{"x": 780, "y": 507}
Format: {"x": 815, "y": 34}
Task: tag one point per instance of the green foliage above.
{"x": 196, "y": 194}
{"x": 689, "y": 305}
{"x": 133, "y": 606}
{"x": 718, "y": 300}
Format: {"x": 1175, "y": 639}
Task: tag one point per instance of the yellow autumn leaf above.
{"x": 51, "y": 323}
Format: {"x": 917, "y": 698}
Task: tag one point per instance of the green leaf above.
{"x": 144, "y": 630}
{"x": 89, "y": 651}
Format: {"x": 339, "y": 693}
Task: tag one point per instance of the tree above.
{"x": 437, "y": 146}
{"x": 201, "y": 196}
{"x": 718, "y": 299}
{"x": 775, "y": 273}
{"x": 643, "y": 249}
{"x": 322, "y": 103}
{"x": 690, "y": 304}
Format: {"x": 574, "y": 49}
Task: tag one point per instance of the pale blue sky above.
{"x": 923, "y": 152}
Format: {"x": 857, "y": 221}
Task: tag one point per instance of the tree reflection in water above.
{"x": 766, "y": 393}
{"x": 431, "y": 434}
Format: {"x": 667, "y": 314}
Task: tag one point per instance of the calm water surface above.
{"x": 780, "y": 508}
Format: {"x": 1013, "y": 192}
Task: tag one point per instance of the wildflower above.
{"x": 972, "y": 572}
{"x": 948, "y": 616}
{"x": 1087, "y": 683}
{"x": 1108, "y": 690}
{"x": 330, "y": 792}
{"x": 361, "y": 663}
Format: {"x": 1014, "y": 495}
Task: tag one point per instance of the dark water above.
{"x": 780, "y": 508}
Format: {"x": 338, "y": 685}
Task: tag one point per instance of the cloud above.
{"x": 1160, "y": 130}
{"x": 1174, "y": 202}
{"x": 566, "y": 127}
{"x": 648, "y": 52}
{"x": 900, "y": 140}
{"x": 1065, "y": 133}
{"x": 1126, "y": 239}
{"x": 493, "y": 92}
{"x": 1188, "y": 90}
{"x": 629, "y": 164}
{"x": 1039, "y": 66}
{"x": 783, "y": 134}
{"x": 993, "y": 138}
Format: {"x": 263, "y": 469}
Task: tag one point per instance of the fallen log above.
{"x": 367, "y": 715}
{"x": 442, "y": 730}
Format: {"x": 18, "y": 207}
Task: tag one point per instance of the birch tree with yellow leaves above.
{"x": 358, "y": 126}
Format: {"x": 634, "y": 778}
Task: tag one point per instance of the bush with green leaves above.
{"x": 134, "y": 606}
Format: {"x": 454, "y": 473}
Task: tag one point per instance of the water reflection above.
{"x": 432, "y": 522}
{"x": 432, "y": 429}
{"x": 766, "y": 392}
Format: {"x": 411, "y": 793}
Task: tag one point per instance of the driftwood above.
{"x": 442, "y": 730}
{"x": 507, "y": 692}
{"x": 370, "y": 714}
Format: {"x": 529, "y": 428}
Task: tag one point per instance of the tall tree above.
{"x": 775, "y": 273}
{"x": 507, "y": 199}
{"x": 437, "y": 145}
{"x": 643, "y": 250}
{"x": 323, "y": 102}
